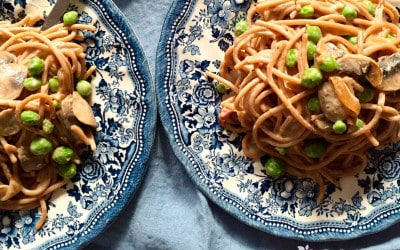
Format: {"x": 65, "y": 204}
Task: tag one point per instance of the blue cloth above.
{"x": 168, "y": 211}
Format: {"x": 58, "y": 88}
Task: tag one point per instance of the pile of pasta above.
{"x": 28, "y": 178}
{"x": 269, "y": 97}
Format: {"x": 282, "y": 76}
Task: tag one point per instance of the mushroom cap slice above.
{"x": 75, "y": 106}
{"x": 76, "y": 112}
{"x": 28, "y": 161}
{"x": 82, "y": 110}
{"x": 331, "y": 106}
{"x": 9, "y": 125}
{"x": 362, "y": 66}
{"x": 322, "y": 123}
{"x": 330, "y": 49}
{"x": 12, "y": 80}
{"x": 390, "y": 66}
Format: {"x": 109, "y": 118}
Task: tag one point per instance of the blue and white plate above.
{"x": 194, "y": 38}
{"x": 124, "y": 104}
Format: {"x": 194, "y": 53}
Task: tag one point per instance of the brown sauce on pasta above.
{"x": 26, "y": 181}
{"x": 267, "y": 99}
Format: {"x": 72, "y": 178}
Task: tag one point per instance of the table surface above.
{"x": 168, "y": 211}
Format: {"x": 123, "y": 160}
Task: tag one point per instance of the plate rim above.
{"x": 102, "y": 219}
{"x": 136, "y": 177}
{"x": 179, "y": 12}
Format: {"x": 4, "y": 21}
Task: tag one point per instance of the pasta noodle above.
{"x": 325, "y": 121}
{"x": 63, "y": 118}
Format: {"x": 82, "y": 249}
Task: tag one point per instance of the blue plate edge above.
{"x": 161, "y": 72}
{"x": 136, "y": 176}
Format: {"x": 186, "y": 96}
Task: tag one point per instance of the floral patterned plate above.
{"x": 194, "y": 38}
{"x": 124, "y": 105}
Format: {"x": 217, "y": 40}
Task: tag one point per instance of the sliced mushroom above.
{"x": 390, "y": 66}
{"x": 322, "y": 123}
{"x": 330, "y": 49}
{"x": 331, "y": 106}
{"x": 12, "y": 77}
{"x": 9, "y": 124}
{"x": 75, "y": 113}
{"x": 6, "y": 57}
{"x": 76, "y": 106}
{"x": 361, "y": 66}
{"x": 28, "y": 161}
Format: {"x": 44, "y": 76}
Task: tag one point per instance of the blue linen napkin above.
{"x": 169, "y": 212}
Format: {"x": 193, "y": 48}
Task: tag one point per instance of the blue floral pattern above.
{"x": 123, "y": 101}
{"x": 195, "y": 37}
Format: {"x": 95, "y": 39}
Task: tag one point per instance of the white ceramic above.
{"x": 194, "y": 38}
{"x": 124, "y": 105}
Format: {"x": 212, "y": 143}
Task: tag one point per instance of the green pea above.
{"x": 62, "y": 154}
{"x": 306, "y": 11}
{"x": 311, "y": 77}
{"x": 40, "y": 146}
{"x": 359, "y": 124}
{"x": 352, "y": 39}
{"x": 327, "y": 63}
{"x": 47, "y": 126}
{"x": 222, "y": 89}
{"x": 370, "y": 7}
{"x": 70, "y": 17}
{"x": 57, "y": 104}
{"x": 30, "y": 118}
{"x": 314, "y": 33}
{"x": 54, "y": 84}
{"x": 282, "y": 150}
{"x": 314, "y": 148}
{"x": 291, "y": 58}
{"x": 389, "y": 36}
{"x": 366, "y": 95}
{"x": 311, "y": 50}
{"x": 32, "y": 83}
{"x": 67, "y": 170}
{"x": 313, "y": 104}
{"x": 349, "y": 12}
{"x": 339, "y": 127}
{"x": 275, "y": 167}
{"x": 84, "y": 88}
{"x": 241, "y": 27}
{"x": 35, "y": 66}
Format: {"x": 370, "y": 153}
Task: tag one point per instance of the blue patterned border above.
{"x": 133, "y": 170}
{"x": 125, "y": 109}
{"x": 188, "y": 107}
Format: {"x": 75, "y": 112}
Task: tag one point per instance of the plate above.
{"x": 194, "y": 38}
{"x": 124, "y": 104}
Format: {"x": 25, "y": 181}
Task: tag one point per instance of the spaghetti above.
{"x": 314, "y": 84}
{"x": 51, "y": 114}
